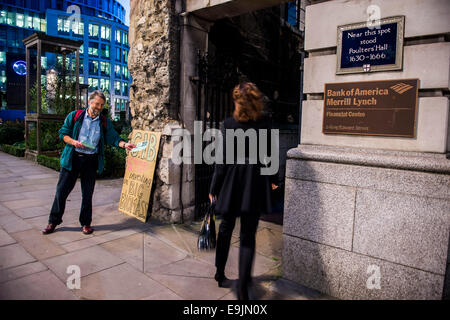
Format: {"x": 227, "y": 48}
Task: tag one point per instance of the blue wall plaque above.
{"x": 364, "y": 49}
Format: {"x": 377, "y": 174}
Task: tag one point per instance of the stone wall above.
{"x": 154, "y": 99}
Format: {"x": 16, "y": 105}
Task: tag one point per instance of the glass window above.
{"x": 3, "y": 16}
{"x": 118, "y": 36}
{"x": 29, "y": 23}
{"x": 125, "y": 38}
{"x": 104, "y": 85}
{"x": 93, "y": 30}
{"x": 44, "y": 62}
{"x": 11, "y": 18}
{"x": 125, "y": 89}
{"x": 125, "y": 56}
{"x": 93, "y": 49}
{"x": 117, "y": 72}
{"x": 81, "y": 78}
{"x": 93, "y": 67}
{"x": 81, "y": 65}
{"x": 78, "y": 28}
{"x": 117, "y": 105}
{"x": 118, "y": 54}
{"x": 125, "y": 72}
{"x": 20, "y": 20}
{"x": 105, "y": 32}
{"x": 105, "y": 68}
{"x": 43, "y": 25}
{"x": 93, "y": 83}
{"x": 105, "y": 50}
{"x": 36, "y": 23}
{"x": 117, "y": 87}
{"x": 2, "y": 57}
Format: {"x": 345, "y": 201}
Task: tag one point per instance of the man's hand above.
{"x": 77, "y": 144}
{"x": 128, "y": 145}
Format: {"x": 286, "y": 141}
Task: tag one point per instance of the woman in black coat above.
{"x": 241, "y": 189}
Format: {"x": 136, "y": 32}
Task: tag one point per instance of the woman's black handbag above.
{"x": 207, "y": 237}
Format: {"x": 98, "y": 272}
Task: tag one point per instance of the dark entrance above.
{"x": 263, "y": 48}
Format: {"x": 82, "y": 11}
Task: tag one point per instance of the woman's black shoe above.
{"x": 222, "y": 281}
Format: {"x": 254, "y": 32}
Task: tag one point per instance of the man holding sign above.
{"x": 85, "y": 133}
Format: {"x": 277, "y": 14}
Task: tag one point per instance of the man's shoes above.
{"x": 49, "y": 229}
{"x": 87, "y": 230}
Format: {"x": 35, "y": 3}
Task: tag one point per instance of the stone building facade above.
{"x": 368, "y": 217}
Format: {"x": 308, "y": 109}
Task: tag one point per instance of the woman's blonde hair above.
{"x": 248, "y": 101}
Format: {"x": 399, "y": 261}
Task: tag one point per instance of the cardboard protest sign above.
{"x": 139, "y": 172}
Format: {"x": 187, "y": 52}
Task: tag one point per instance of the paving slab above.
{"x": 38, "y": 286}
{"x": 21, "y": 271}
{"x": 185, "y": 287}
{"x": 31, "y": 212}
{"x": 129, "y": 249}
{"x": 14, "y": 255}
{"x": 90, "y": 260}
{"x": 38, "y": 244}
{"x": 5, "y": 238}
{"x": 158, "y": 253}
{"x": 12, "y": 223}
{"x": 121, "y": 282}
{"x": 165, "y": 295}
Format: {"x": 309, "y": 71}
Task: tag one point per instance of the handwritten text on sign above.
{"x": 138, "y": 180}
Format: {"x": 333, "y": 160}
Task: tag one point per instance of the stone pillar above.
{"x": 360, "y": 207}
{"x": 154, "y": 65}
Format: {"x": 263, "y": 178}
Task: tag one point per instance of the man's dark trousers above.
{"x": 85, "y": 166}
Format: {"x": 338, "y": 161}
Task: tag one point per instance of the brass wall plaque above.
{"x": 381, "y": 108}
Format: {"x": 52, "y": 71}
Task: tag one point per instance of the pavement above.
{"x": 124, "y": 258}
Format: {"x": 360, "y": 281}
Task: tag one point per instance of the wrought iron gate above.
{"x": 215, "y": 80}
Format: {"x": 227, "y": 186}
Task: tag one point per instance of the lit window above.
{"x": 43, "y": 25}
{"x": 117, "y": 87}
{"x": 44, "y": 62}
{"x": 36, "y": 23}
{"x": 93, "y": 49}
{"x": 78, "y": 28}
{"x": 105, "y": 68}
{"x": 93, "y": 83}
{"x": 105, "y": 32}
{"x": 104, "y": 85}
{"x": 29, "y": 23}
{"x": 125, "y": 72}
{"x": 2, "y": 57}
{"x": 117, "y": 70}
{"x": 20, "y": 20}
{"x": 125, "y": 38}
{"x": 125, "y": 89}
{"x": 118, "y": 36}
{"x": 125, "y": 56}
{"x": 11, "y": 18}
{"x": 93, "y": 30}
{"x": 3, "y": 16}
